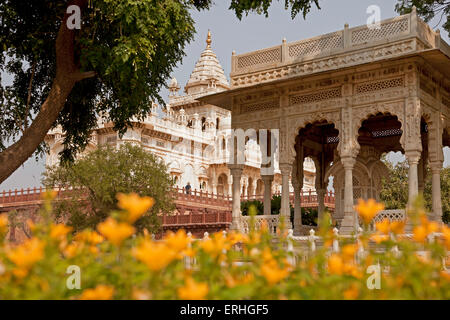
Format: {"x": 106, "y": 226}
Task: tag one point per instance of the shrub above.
{"x": 117, "y": 264}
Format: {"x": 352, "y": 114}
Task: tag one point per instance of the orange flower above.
{"x": 378, "y": 238}
{"x": 273, "y": 273}
{"x": 215, "y": 245}
{"x": 59, "y": 231}
{"x": 335, "y": 264}
{"x": 49, "y": 195}
{"x": 351, "y": 293}
{"x": 115, "y": 231}
{"x": 368, "y": 209}
{"x": 89, "y": 236}
{"x": 135, "y": 205}
{"x": 193, "y": 290}
{"x": 177, "y": 241}
{"x": 349, "y": 251}
{"x": 100, "y": 292}
{"x": 397, "y": 227}
{"x": 72, "y": 250}
{"x": 446, "y": 236}
{"x": 27, "y": 254}
{"x": 420, "y": 234}
{"x": 383, "y": 226}
{"x": 155, "y": 255}
{"x": 3, "y": 223}
{"x": 237, "y": 237}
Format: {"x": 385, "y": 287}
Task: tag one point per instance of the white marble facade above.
{"x": 191, "y": 137}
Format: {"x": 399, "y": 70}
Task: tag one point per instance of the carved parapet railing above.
{"x": 257, "y": 222}
{"x": 308, "y": 198}
{"x": 351, "y": 46}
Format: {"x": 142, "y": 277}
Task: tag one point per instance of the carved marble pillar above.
{"x": 236, "y": 172}
{"x": 297, "y": 183}
{"x": 413, "y": 158}
{"x": 267, "y": 180}
{"x": 436, "y": 190}
{"x": 285, "y": 211}
{"x": 297, "y": 206}
{"x": 420, "y": 175}
{"x": 321, "y": 204}
{"x": 350, "y": 221}
{"x": 412, "y": 143}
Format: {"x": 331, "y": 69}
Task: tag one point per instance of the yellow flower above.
{"x": 383, "y": 226}
{"x": 3, "y": 223}
{"x": 49, "y": 195}
{"x": 193, "y": 290}
{"x": 273, "y": 273}
{"x": 89, "y": 236}
{"x": 59, "y": 231}
{"x": 31, "y": 224}
{"x": 155, "y": 255}
{"x": 177, "y": 241}
{"x": 215, "y": 245}
{"x": 351, "y": 293}
{"x": 135, "y": 205}
{"x": 115, "y": 231}
{"x": 349, "y": 251}
{"x": 378, "y": 238}
{"x": 397, "y": 227}
{"x": 100, "y": 292}
{"x": 420, "y": 234}
{"x": 27, "y": 254}
{"x": 237, "y": 237}
{"x": 72, "y": 250}
{"x": 446, "y": 236}
{"x": 335, "y": 264}
{"x": 368, "y": 209}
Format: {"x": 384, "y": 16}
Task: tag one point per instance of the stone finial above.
{"x": 346, "y": 25}
{"x": 284, "y": 40}
{"x": 414, "y": 9}
{"x": 233, "y": 52}
{"x": 208, "y": 40}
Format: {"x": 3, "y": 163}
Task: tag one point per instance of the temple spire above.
{"x": 208, "y": 40}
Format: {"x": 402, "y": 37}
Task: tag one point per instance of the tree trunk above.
{"x": 67, "y": 74}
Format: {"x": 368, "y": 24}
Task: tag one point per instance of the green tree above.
{"x": 394, "y": 192}
{"x": 113, "y": 66}
{"x": 100, "y": 175}
{"x": 427, "y": 9}
{"x": 445, "y": 193}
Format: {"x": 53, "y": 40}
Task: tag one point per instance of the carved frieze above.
{"x": 325, "y": 64}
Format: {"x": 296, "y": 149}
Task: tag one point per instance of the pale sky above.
{"x": 252, "y": 33}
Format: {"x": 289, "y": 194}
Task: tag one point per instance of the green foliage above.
{"x": 246, "y": 205}
{"x": 427, "y": 9}
{"x": 445, "y": 194}
{"x": 100, "y": 175}
{"x": 394, "y": 192}
{"x": 262, "y": 6}
{"x": 132, "y": 46}
{"x": 309, "y": 216}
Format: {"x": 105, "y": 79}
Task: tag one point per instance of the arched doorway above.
{"x": 222, "y": 184}
{"x": 316, "y": 148}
